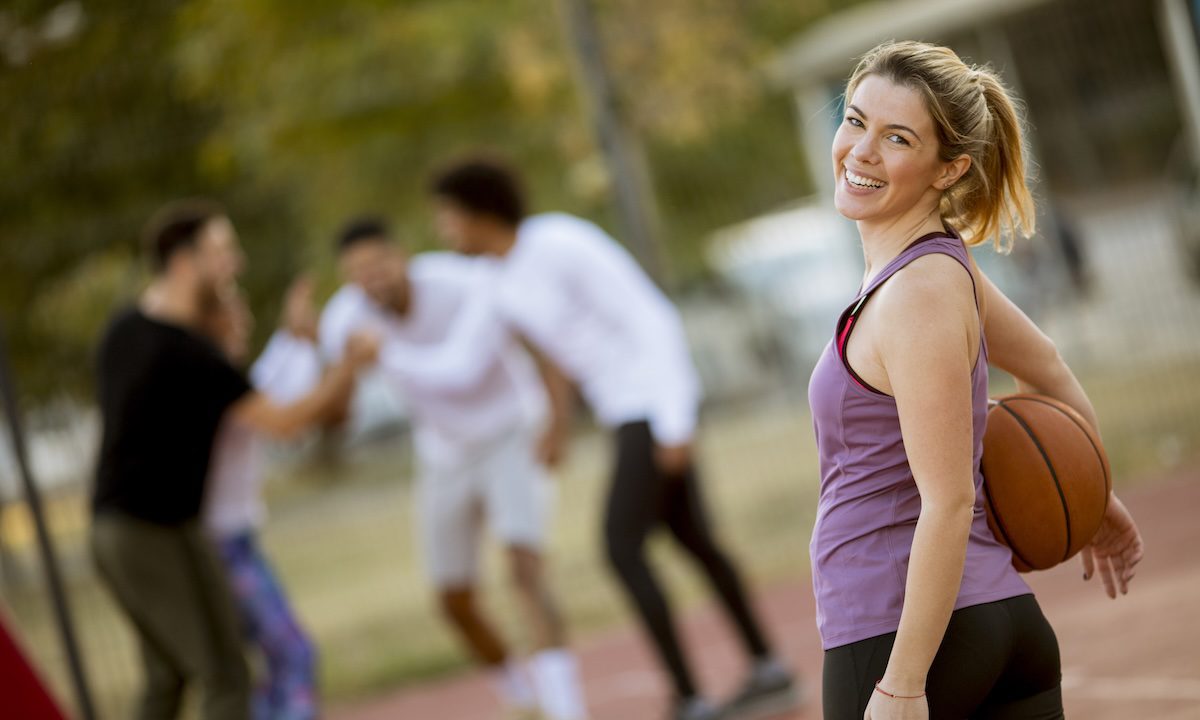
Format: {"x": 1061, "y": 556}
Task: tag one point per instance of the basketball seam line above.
{"x": 1104, "y": 466}
{"x": 1053, "y": 475}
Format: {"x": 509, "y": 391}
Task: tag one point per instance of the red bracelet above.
{"x": 881, "y": 691}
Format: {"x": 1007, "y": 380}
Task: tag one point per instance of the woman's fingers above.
{"x": 1118, "y": 566}
{"x": 1089, "y": 563}
{"x": 1106, "y": 575}
{"x": 1132, "y": 555}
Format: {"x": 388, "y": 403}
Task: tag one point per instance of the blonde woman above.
{"x": 920, "y": 611}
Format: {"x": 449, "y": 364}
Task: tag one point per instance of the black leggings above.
{"x": 639, "y": 500}
{"x": 998, "y": 661}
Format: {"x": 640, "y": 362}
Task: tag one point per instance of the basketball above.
{"x": 1046, "y": 479}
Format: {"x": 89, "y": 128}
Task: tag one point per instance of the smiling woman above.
{"x": 914, "y": 594}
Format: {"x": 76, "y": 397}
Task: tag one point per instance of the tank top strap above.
{"x": 945, "y": 243}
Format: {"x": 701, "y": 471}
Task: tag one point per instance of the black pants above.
{"x": 174, "y": 591}
{"x": 998, "y": 661}
{"x": 640, "y": 499}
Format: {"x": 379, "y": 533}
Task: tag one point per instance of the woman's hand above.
{"x": 1117, "y": 549}
{"x": 883, "y": 707}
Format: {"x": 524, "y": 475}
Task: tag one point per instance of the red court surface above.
{"x": 1135, "y": 657}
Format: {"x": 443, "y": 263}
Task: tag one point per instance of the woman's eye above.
{"x": 854, "y": 121}
{"x": 899, "y": 140}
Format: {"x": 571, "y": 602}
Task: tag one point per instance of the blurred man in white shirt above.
{"x": 582, "y": 299}
{"x": 482, "y": 450}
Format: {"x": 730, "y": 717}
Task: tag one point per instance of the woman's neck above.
{"x": 883, "y": 240}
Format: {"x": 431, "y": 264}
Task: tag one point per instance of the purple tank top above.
{"x": 868, "y": 507}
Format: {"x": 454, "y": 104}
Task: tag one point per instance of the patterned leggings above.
{"x": 289, "y": 690}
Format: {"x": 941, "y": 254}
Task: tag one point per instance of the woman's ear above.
{"x": 952, "y": 171}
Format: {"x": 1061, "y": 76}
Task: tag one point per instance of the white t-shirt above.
{"x": 451, "y": 424}
{"x": 581, "y": 298}
{"x": 288, "y": 369}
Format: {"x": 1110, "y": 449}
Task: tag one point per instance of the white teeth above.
{"x": 861, "y": 181}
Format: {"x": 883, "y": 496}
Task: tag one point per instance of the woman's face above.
{"x": 885, "y": 154}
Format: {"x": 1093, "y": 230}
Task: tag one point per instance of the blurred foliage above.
{"x": 298, "y": 113}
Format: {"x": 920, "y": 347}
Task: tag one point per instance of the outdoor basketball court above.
{"x": 1138, "y": 656}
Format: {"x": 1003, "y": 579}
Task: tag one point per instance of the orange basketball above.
{"x": 1046, "y": 479}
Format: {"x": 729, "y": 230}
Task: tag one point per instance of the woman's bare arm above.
{"x": 1017, "y": 346}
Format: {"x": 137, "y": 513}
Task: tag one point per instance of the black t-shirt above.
{"x": 162, "y": 392}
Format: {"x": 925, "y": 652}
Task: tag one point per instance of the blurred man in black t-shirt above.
{"x": 163, "y": 390}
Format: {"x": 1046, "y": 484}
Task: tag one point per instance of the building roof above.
{"x": 827, "y": 49}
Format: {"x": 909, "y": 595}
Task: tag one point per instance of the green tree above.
{"x": 298, "y": 113}
{"x": 96, "y": 135}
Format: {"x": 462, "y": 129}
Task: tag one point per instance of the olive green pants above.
{"x": 169, "y": 584}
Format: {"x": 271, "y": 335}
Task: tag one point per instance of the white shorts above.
{"x": 503, "y": 487}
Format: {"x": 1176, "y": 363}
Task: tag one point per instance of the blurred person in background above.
{"x": 163, "y": 390}
{"x": 1072, "y": 249}
{"x": 583, "y": 300}
{"x": 920, "y": 610}
{"x": 482, "y": 453}
{"x": 288, "y": 369}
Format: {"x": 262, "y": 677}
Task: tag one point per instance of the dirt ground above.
{"x": 1135, "y": 657}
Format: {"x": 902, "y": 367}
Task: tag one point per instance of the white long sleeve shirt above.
{"x": 288, "y": 369}
{"x": 451, "y": 420}
{"x": 583, "y": 300}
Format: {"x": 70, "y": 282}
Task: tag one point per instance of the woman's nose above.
{"x": 865, "y": 150}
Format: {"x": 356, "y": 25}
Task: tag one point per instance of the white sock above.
{"x": 556, "y": 678}
{"x": 513, "y": 686}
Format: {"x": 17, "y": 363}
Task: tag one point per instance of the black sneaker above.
{"x": 695, "y": 708}
{"x": 770, "y": 690}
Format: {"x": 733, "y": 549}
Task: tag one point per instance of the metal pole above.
{"x": 1183, "y": 57}
{"x": 83, "y": 697}
{"x": 622, "y": 153}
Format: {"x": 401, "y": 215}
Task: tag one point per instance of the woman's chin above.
{"x": 849, "y": 209}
